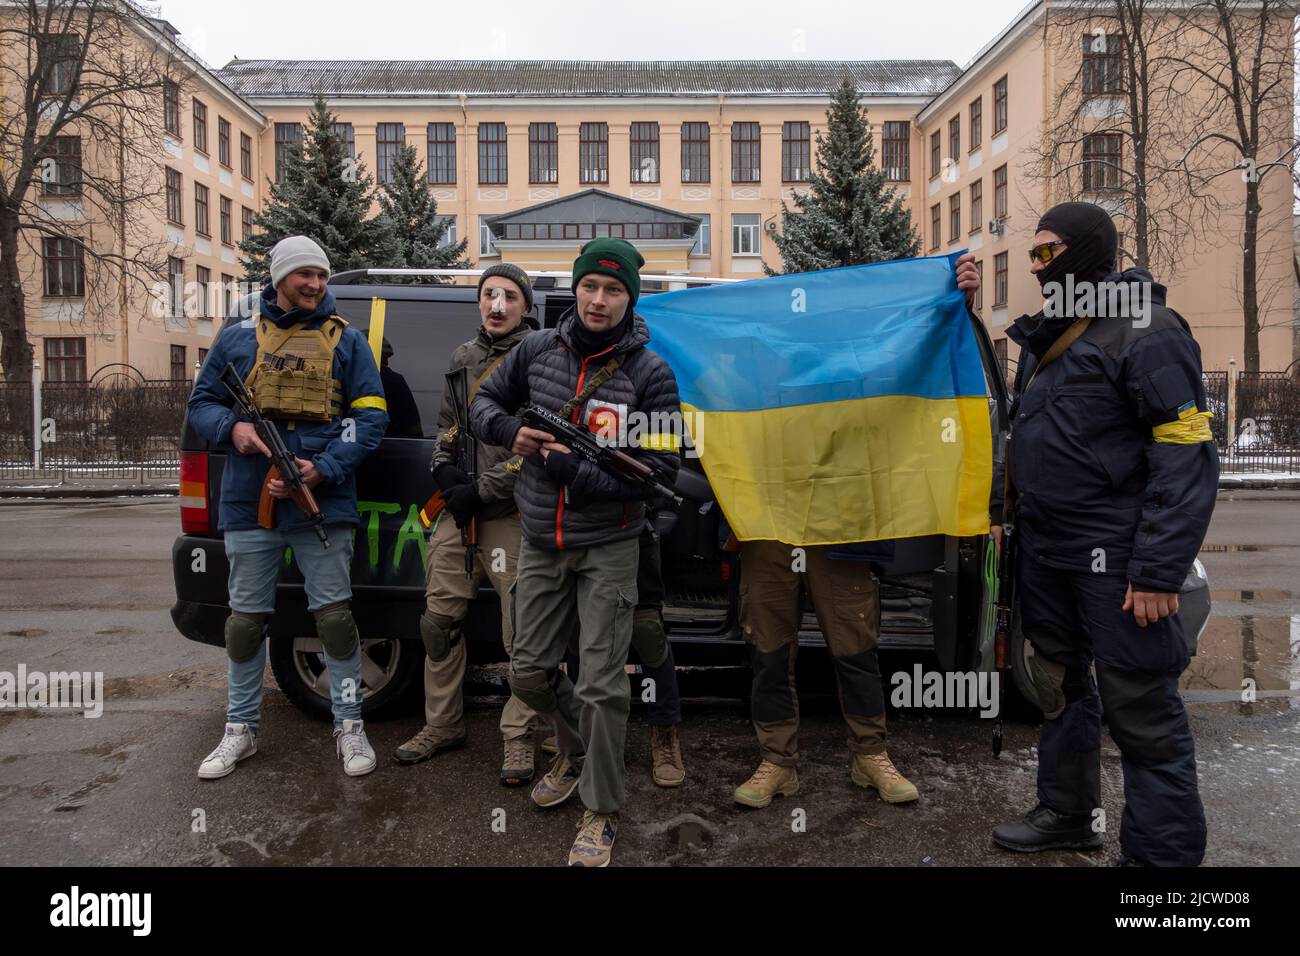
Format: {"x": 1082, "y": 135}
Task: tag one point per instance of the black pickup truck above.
{"x": 936, "y": 592}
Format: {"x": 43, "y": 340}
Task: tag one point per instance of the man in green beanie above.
{"x": 581, "y": 527}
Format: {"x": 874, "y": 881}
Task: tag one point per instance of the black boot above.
{"x": 1044, "y": 829}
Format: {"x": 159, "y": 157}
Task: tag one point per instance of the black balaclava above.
{"x": 1091, "y": 238}
{"x": 590, "y": 343}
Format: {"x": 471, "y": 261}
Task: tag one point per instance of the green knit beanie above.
{"x": 611, "y": 257}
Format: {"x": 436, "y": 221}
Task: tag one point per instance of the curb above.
{"x": 65, "y": 491}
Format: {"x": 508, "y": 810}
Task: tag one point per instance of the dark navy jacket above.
{"x": 323, "y": 443}
{"x": 1111, "y": 476}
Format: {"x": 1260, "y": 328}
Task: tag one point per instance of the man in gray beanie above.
{"x": 308, "y": 371}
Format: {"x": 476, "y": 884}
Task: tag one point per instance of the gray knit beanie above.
{"x": 296, "y": 252}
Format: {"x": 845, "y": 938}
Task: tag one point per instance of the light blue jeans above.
{"x": 256, "y": 560}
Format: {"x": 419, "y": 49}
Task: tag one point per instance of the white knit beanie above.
{"x": 296, "y": 252}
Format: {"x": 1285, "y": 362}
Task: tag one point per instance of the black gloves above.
{"x": 463, "y": 502}
{"x": 561, "y": 466}
{"x": 447, "y": 476}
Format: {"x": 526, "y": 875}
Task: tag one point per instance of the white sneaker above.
{"x": 354, "y": 748}
{"x": 239, "y": 742}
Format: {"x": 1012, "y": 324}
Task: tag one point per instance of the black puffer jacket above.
{"x": 546, "y": 369}
{"x": 1108, "y": 479}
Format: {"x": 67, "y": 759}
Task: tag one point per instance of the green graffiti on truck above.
{"x": 410, "y": 533}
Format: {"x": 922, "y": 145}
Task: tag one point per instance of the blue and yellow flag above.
{"x": 838, "y": 406}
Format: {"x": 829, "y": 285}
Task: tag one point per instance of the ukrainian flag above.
{"x": 838, "y": 406}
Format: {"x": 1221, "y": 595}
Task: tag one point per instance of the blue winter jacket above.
{"x": 336, "y": 447}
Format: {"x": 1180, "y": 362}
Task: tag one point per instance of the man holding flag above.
{"x": 802, "y": 416}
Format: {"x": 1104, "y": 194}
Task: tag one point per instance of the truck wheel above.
{"x": 1023, "y": 704}
{"x": 388, "y": 669}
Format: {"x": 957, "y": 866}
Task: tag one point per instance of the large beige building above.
{"x": 689, "y": 160}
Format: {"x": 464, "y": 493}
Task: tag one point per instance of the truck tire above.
{"x": 1023, "y": 703}
{"x": 395, "y": 667}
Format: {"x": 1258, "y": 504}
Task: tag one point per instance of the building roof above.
{"x": 558, "y": 78}
{"x": 593, "y": 206}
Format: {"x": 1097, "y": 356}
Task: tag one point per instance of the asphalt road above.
{"x": 85, "y": 585}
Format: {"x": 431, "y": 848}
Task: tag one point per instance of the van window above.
{"x": 422, "y": 336}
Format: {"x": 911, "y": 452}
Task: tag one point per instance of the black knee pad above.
{"x": 649, "y": 638}
{"x": 244, "y": 634}
{"x": 536, "y": 689}
{"x": 337, "y": 630}
{"x": 438, "y": 638}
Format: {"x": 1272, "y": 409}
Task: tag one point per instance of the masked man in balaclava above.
{"x": 1115, "y": 472}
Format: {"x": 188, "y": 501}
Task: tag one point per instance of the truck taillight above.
{"x": 194, "y": 493}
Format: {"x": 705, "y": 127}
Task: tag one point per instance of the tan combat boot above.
{"x": 429, "y": 741}
{"x": 768, "y": 780}
{"x": 517, "y": 766}
{"x": 876, "y": 770}
{"x": 666, "y": 752}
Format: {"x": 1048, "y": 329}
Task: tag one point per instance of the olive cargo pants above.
{"x": 846, "y": 598}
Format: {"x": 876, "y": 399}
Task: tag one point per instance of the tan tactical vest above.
{"x": 291, "y": 376}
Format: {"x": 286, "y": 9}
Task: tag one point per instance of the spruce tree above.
{"x": 414, "y": 234}
{"x": 324, "y": 194}
{"x": 848, "y": 214}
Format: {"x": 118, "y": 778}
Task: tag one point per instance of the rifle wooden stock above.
{"x": 432, "y": 508}
{"x": 302, "y": 497}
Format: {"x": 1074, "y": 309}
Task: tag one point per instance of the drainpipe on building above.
{"x": 723, "y": 228}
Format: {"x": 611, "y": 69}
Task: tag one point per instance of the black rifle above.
{"x": 608, "y": 459}
{"x": 283, "y": 464}
{"x": 464, "y": 455}
{"x": 1006, "y": 595}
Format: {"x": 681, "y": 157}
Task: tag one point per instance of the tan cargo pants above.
{"x": 847, "y": 601}
{"x": 448, "y": 591}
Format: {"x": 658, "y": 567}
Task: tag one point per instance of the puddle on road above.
{"x": 1250, "y": 660}
{"x": 1235, "y": 548}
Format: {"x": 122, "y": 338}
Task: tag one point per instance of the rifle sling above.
{"x": 603, "y": 375}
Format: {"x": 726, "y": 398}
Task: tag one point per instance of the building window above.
{"x": 486, "y": 247}
{"x": 172, "y": 108}
{"x": 229, "y": 289}
{"x": 746, "y": 160}
{"x": 593, "y": 153}
{"x": 977, "y": 205}
{"x": 979, "y": 293}
{"x": 999, "y": 106}
{"x": 200, "y": 127}
{"x": 65, "y": 360}
{"x": 895, "y": 150}
{"x": 1000, "y": 193}
{"x": 245, "y": 222}
{"x": 442, "y": 153}
{"x": 695, "y": 152}
{"x": 347, "y": 136}
{"x": 61, "y": 167}
{"x": 976, "y": 122}
{"x": 999, "y": 280}
{"x": 701, "y": 247}
{"x": 246, "y": 156}
{"x": 492, "y": 154}
{"x": 178, "y": 363}
{"x": 448, "y": 237}
{"x": 389, "y": 138}
{"x": 65, "y": 267}
{"x": 58, "y": 56}
{"x": 227, "y": 225}
{"x": 203, "y": 280}
{"x": 1000, "y": 353}
{"x": 744, "y": 233}
{"x": 176, "y": 286}
{"x": 203, "y": 357}
{"x": 201, "y": 210}
{"x": 954, "y": 138}
{"x": 1101, "y": 161}
{"x": 1102, "y": 71}
{"x": 796, "y": 152}
{"x": 543, "y": 153}
{"x": 936, "y": 217}
{"x": 936, "y": 147}
{"x": 954, "y": 217}
{"x": 173, "y": 189}
{"x": 645, "y": 152}
{"x": 223, "y": 141}
{"x": 287, "y": 136}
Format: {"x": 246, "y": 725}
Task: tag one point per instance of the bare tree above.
{"x": 1117, "y": 126}
{"x": 1241, "y": 52}
{"x": 81, "y": 133}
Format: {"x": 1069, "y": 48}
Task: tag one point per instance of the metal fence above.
{"x": 1256, "y": 421}
{"x": 115, "y": 428}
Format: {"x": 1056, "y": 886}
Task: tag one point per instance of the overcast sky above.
{"x": 560, "y": 29}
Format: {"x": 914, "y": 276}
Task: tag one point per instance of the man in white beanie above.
{"x": 315, "y": 378}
